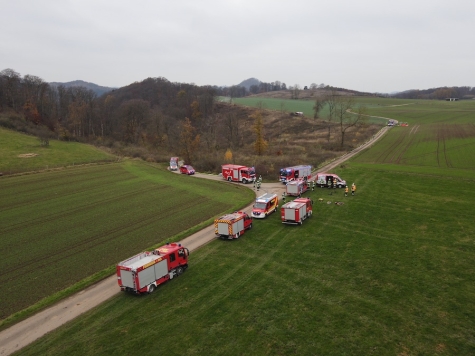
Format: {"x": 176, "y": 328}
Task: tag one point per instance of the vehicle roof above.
{"x": 293, "y": 205}
{"x": 265, "y": 198}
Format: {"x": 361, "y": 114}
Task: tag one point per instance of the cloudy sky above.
{"x": 367, "y": 45}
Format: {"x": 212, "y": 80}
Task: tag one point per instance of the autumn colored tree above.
{"x": 31, "y": 112}
{"x": 260, "y": 145}
{"x": 228, "y": 156}
{"x": 189, "y": 141}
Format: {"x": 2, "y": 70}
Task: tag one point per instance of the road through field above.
{"x": 28, "y": 330}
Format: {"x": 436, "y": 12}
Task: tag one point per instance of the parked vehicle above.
{"x": 232, "y": 226}
{"x": 292, "y": 173}
{"x": 326, "y": 180}
{"x": 265, "y": 205}
{"x": 186, "y": 169}
{"x": 296, "y": 187}
{"x": 174, "y": 163}
{"x": 143, "y": 272}
{"x": 296, "y": 211}
{"x": 237, "y": 173}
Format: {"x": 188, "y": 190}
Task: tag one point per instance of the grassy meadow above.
{"x": 389, "y": 272}
{"x": 22, "y": 153}
{"x": 60, "y": 227}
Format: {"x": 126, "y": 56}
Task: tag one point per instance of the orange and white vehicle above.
{"x": 292, "y": 173}
{"x": 232, "y": 226}
{"x": 143, "y": 272}
{"x": 236, "y": 173}
{"x": 296, "y": 187}
{"x": 296, "y": 211}
{"x": 265, "y": 205}
{"x": 326, "y": 180}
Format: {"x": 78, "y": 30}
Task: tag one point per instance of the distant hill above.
{"x": 80, "y": 83}
{"x": 249, "y": 82}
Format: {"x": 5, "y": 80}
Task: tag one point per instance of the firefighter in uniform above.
{"x": 334, "y": 183}
{"x": 283, "y": 197}
{"x": 346, "y": 190}
{"x": 353, "y": 189}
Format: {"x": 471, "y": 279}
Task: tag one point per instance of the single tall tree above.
{"x": 260, "y": 145}
{"x": 189, "y": 142}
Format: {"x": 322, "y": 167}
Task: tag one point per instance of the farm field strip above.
{"x": 83, "y": 223}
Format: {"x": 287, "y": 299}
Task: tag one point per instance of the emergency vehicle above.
{"x": 236, "y": 173}
{"x": 292, "y": 173}
{"x": 264, "y": 205}
{"x": 143, "y": 272}
{"x": 296, "y": 187}
{"x": 231, "y": 226}
{"x": 296, "y": 211}
{"x": 174, "y": 163}
{"x": 326, "y": 180}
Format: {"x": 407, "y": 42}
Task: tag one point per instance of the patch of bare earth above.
{"x": 27, "y": 155}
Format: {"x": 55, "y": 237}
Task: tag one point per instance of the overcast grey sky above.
{"x": 367, "y": 45}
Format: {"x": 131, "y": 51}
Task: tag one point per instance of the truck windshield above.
{"x": 284, "y": 172}
{"x": 260, "y": 206}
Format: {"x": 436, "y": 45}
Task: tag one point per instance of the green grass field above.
{"x": 61, "y": 227}
{"x": 14, "y": 146}
{"x": 389, "y": 272}
{"x": 306, "y": 106}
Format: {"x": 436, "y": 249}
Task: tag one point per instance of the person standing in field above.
{"x": 334, "y": 183}
{"x": 346, "y": 190}
{"x": 353, "y": 189}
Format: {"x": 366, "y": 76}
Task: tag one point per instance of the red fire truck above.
{"x": 231, "y": 226}
{"x": 292, "y": 173}
{"x": 143, "y": 272}
{"x": 236, "y": 173}
{"x": 296, "y": 187}
{"x": 264, "y": 205}
{"x": 296, "y": 211}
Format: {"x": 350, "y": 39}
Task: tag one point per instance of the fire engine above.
{"x": 296, "y": 187}
{"x": 233, "y": 225}
{"x": 292, "y": 173}
{"x": 143, "y": 272}
{"x": 264, "y": 205}
{"x": 236, "y": 173}
{"x": 326, "y": 180}
{"x": 296, "y": 211}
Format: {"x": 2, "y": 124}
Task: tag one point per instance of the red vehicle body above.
{"x": 265, "y": 205}
{"x": 292, "y": 173}
{"x": 143, "y": 272}
{"x": 236, "y": 173}
{"x": 296, "y": 211}
{"x": 296, "y": 187}
{"x": 232, "y": 226}
{"x": 186, "y": 169}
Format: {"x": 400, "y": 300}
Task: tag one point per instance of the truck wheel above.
{"x": 229, "y": 179}
{"x": 244, "y": 181}
{"x": 250, "y": 226}
{"x": 179, "y": 271}
{"x": 151, "y": 288}
{"x": 300, "y": 222}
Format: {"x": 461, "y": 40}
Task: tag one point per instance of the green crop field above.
{"x": 60, "y": 227}
{"x": 306, "y": 106}
{"x": 389, "y": 272}
{"x": 23, "y": 153}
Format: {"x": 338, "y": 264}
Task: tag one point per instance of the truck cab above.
{"x": 265, "y": 205}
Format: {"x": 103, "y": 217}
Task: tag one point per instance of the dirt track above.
{"x": 28, "y": 330}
